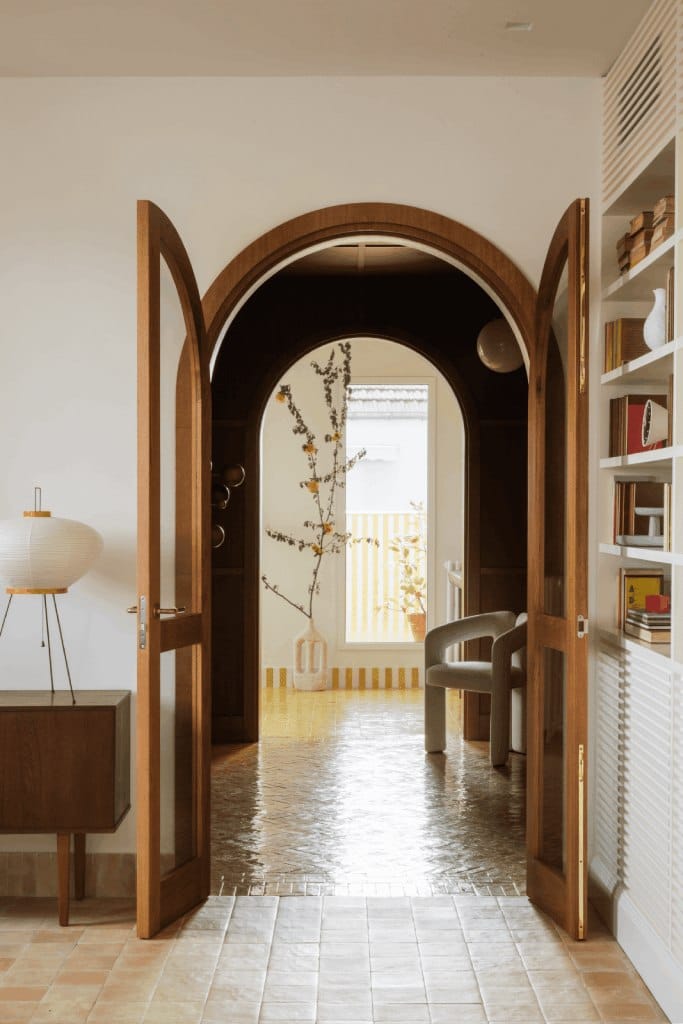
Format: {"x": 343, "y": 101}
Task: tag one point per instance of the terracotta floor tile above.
{"x": 288, "y": 1012}
{"x": 18, "y": 1013}
{"x": 22, "y": 993}
{"x": 182, "y": 1012}
{"x": 631, "y": 1011}
{"x": 118, "y": 1013}
{"x": 583, "y": 1012}
{"x": 237, "y": 1013}
{"x": 81, "y": 977}
{"x": 400, "y": 1013}
{"x": 458, "y": 1014}
{"x": 408, "y": 940}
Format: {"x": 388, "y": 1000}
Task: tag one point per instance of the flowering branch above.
{"x": 335, "y": 375}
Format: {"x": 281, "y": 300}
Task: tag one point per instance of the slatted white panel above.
{"x": 640, "y": 98}
{"x": 677, "y": 825}
{"x": 647, "y": 794}
{"x": 608, "y": 816}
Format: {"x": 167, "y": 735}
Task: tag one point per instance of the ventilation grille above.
{"x": 640, "y": 92}
{"x": 640, "y": 98}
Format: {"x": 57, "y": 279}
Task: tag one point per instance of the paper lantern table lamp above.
{"x": 41, "y": 554}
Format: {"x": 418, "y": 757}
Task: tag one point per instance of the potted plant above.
{"x": 327, "y": 467}
{"x": 410, "y": 555}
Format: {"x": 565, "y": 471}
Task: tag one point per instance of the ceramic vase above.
{"x": 654, "y": 330}
{"x": 417, "y": 622}
{"x": 310, "y": 659}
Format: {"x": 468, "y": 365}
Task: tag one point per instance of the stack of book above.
{"x": 652, "y": 627}
{"x": 624, "y": 253}
{"x": 642, "y": 513}
{"x": 641, "y": 237}
{"x": 662, "y": 221}
{"x": 648, "y": 230}
{"x": 623, "y": 341}
{"x": 626, "y": 424}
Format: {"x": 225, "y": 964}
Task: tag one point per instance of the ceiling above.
{"x": 313, "y": 37}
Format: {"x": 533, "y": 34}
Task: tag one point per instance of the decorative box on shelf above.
{"x": 64, "y": 768}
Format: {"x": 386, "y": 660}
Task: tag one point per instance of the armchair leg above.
{"x": 500, "y": 729}
{"x": 435, "y": 719}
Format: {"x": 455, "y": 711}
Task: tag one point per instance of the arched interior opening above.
{"x": 374, "y": 290}
{"x": 372, "y": 602}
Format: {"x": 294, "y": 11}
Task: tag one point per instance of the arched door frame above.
{"x": 448, "y": 239}
{"x": 443, "y": 237}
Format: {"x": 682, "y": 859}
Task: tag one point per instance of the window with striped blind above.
{"x": 386, "y": 499}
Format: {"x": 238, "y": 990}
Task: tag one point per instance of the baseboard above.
{"x": 363, "y": 678}
{"x": 655, "y": 963}
{"x": 34, "y": 873}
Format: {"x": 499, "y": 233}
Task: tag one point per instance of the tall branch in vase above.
{"x": 327, "y": 469}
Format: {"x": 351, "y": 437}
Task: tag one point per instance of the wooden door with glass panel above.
{"x": 173, "y": 634}
{"x": 558, "y": 557}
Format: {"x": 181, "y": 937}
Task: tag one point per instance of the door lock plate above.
{"x": 142, "y": 623}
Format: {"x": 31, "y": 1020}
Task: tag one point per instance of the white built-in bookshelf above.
{"x": 636, "y": 856}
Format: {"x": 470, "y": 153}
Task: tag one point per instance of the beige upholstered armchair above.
{"x": 505, "y": 672}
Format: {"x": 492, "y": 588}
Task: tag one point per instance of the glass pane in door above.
{"x": 178, "y": 839}
{"x": 554, "y": 596}
{"x": 176, "y": 402}
{"x": 554, "y": 729}
{"x": 176, "y": 551}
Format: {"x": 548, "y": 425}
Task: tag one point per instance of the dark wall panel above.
{"x": 439, "y": 314}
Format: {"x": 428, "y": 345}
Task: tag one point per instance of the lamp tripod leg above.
{"x": 61, "y": 637}
{"x": 49, "y": 648}
{"x": 4, "y": 618}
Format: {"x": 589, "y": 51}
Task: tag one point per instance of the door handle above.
{"x": 170, "y": 611}
{"x": 133, "y": 610}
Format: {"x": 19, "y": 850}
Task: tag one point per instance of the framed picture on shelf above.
{"x": 634, "y": 586}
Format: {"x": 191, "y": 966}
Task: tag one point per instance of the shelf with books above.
{"x": 658, "y": 457}
{"x": 653, "y": 368}
{"x": 642, "y": 554}
{"x": 637, "y": 284}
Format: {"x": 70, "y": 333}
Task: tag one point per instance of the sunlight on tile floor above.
{"x": 254, "y": 960}
{"x": 340, "y": 798}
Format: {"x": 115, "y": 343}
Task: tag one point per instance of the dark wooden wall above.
{"x": 439, "y": 314}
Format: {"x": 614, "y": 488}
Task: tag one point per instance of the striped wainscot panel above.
{"x": 389, "y": 677}
{"x": 641, "y": 98}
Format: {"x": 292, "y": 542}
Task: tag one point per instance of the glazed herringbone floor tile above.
{"x": 339, "y": 798}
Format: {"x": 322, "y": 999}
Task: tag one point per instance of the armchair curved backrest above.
{"x": 473, "y": 627}
{"x": 504, "y": 672}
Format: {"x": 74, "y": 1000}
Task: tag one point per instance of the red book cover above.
{"x": 634, "y": 439}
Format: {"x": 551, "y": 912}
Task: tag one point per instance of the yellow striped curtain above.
{"x": 372, "y": 578}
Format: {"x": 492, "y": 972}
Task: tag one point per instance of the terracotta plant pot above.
{"x": 418, "y": 623}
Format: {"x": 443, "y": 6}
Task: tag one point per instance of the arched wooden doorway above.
{"x": 236, "y": 425}
{"x": 557, "y": 644}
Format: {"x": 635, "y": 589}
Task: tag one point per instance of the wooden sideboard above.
{"x": 64, "y": 768}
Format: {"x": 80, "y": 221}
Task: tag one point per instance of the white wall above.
{"x": 227, "y": 159}
{"x": 285, "y": 506}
